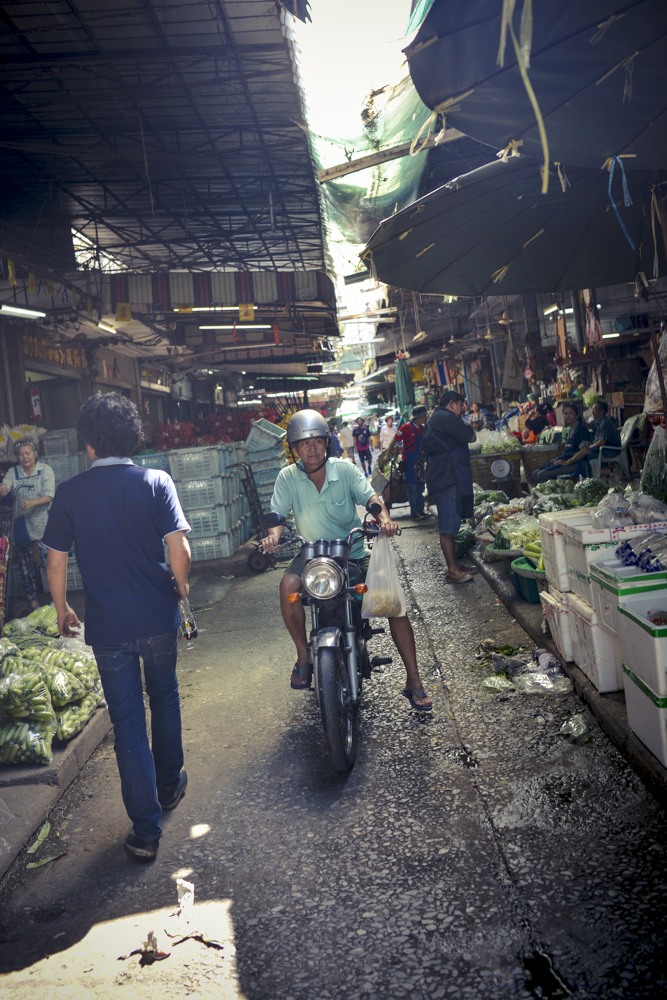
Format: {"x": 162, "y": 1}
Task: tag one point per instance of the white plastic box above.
{"x": 557, "y": 613}
{"x": 644, "y": 644}
{"x": 611, "y": 582}
{"x": 595, "y": 651}
{"x": 647, "y": 714}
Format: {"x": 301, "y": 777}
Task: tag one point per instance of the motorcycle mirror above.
{"x": 374, "y": 509}
{"x": 273, "y": 520}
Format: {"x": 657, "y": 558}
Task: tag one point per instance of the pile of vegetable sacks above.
{"x": 49, "y": 688}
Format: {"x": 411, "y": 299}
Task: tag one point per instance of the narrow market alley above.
{"x": 475, "y": 853}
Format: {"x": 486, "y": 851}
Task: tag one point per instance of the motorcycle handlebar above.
{"x": 369, "y": 531}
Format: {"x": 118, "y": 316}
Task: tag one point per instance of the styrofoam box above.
{"x": 557, "y": 613}
{"x": 585, "y": 546}
{"x": 644, "y": 644}
{"x": 595, "y": 651}
{"x": 647, "y": 714}
{"x": 611, "y": 581}
{"x": 552, "y": 531}
{"x": 214, "y": 521}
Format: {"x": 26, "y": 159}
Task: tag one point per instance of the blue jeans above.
{"x": 141, "y": 770}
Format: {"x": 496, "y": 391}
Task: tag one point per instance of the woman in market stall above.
{"x": 573, "y": 460}
{"x": 33, "y": 485}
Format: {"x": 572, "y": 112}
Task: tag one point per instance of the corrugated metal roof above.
{"x": 168, "y": 133}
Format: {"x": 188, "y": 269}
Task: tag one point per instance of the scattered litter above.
{"x": 196, "y": 936}
{"x": 46, "y": 861}
{"x": 497, "y": 683}
{"x": 149, "y": 952}
{"x": 186, "y": 896}
{"x": 44, "y": 831}
{"x": 540, "y": 683}
{"x": 576, "y": 729}
{"x": 489, "y": 646}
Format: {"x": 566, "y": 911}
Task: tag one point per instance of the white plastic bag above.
{"x": 384, "y": 597}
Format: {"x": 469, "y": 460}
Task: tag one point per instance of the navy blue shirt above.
{"x": 117, "y": 516}
{"x": 578, "y": 434}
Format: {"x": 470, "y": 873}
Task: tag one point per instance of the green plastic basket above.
{"x": 527, "y": 579}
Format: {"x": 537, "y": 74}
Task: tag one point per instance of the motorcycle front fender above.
{"x": 328, "y": 637}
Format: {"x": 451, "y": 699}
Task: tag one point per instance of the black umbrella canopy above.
{"x": 598, "y": 70}
{"x": 492, "y": 232}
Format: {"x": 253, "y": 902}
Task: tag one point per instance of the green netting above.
{"x": 391, "y": 115}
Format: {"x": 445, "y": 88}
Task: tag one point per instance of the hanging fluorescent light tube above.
{"x": 106, "y": 327}
{"x": 205, "y": 309}
{"x": 20, "y": 311}
{"x": 610, "y": 336}
{"x": 238, "y": 326}
{"x": 239, "y": 347}
{"x": 550, "y": 309}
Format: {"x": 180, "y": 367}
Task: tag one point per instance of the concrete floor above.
{"x": 472, "y": 854}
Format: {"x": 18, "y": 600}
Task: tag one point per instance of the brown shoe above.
{"x": 458, "y": 577}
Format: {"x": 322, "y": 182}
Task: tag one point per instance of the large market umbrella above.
{"x": 491, "y": 231}
{"x": 597, "y": 69}
{"x": 405, "y": 390}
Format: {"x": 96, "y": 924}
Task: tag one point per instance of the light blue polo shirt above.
{"x": 330, "y": 512}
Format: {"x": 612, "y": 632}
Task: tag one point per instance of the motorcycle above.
{"x": 333, "y": 588}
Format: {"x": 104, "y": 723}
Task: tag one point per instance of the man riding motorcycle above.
{"x": 323, "y": 494}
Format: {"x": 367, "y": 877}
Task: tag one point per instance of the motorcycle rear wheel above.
{"x": 339, "y": 715}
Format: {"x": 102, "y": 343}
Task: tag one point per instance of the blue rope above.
{"x": 627, "y": 200}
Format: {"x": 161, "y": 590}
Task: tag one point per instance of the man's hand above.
{"x": 271, "y": 542}
{"x": 68, "y": 622}
{"x": 387, "y": 526}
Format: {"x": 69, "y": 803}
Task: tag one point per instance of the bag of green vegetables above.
{"x": 654, "y": 474}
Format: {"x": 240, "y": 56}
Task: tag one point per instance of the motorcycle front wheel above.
{"x": 339, "y": 715}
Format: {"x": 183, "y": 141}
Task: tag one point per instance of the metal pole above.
{"x": 11, "y": 418}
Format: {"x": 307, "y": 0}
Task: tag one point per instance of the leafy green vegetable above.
{"x": 590, "y": 491}
{"x": 464, "y": 541}
{"x": 44, "y": 831}
{"x": 554, "y": 486}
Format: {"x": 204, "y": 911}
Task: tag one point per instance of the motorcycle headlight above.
{"x": 323, "y": 578}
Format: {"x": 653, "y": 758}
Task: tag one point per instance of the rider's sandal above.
{"x": 410, "y": 694}
{"x": 305, "y": 676}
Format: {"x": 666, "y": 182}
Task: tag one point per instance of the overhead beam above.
{"x": 393, "y": 153}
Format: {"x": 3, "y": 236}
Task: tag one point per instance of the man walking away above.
{"x": 362, "y": 440}
{"x": 449, "y": 475}
{"x": 118, "y": 517}
{"x": 409, "y": 436}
